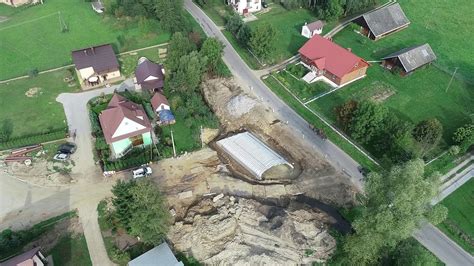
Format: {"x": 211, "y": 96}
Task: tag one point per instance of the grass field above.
{"x": 32, "y": 37}
{"x": 419, "y": 96}
{"x": 71, "y": 250}
{"x": 303, "y": 90}
{"x": 459, "y": 225}
{"x": 37, "y": 114}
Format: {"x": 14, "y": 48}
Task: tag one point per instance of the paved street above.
{"x": 248, "y": 79}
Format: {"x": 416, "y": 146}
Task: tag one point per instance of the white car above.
{"x": 61, "y": 157}
{"x": 141, "y": 172}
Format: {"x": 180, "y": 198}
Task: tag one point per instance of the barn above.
{"x": 409, "y": 59}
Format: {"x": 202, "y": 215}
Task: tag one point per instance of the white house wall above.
{"x": 127, "y": 126}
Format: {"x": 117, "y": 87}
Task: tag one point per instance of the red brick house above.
{"x": 325, "y": 58}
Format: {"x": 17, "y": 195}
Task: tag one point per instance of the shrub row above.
{"x": 134, "y": 159}
{"x": 34, "y": 139}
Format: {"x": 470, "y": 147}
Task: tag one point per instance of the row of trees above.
{"x": 260, "y": 40}
{"x": 386, "y": 135}
{"x": 331, "y": 9}
{"x": 170, "y": 13}
{"x": 394, "y": 205}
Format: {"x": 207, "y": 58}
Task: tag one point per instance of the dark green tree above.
{"x": 188, "y": 74}
{"x": 123, "y": 201}
{"x": 179, "y": 46}
{"x": 212, "y": 49}
{"x": 368, "y": 120}
{"x": 171, "y": 15}
{"x": 410, "y": 253}
{"x": 464, "y": 136}
{"x": 345, "y": 113}
{"x": 6, "y": 130}
{"x": 263, "y": 39}
{"x": 244, "y": 34}
{"x": 150, "y": 218}
{"x": 427, "y": 134}
{"x": 234, "y": 23}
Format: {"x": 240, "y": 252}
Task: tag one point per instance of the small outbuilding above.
{"x": 149, "y": 75}
{"x": 159, "y": 255}
{"x": 252, "y": 153}
{"x": 410, "y": 59}
{"x": 382, "y": 22}
{"x": 311, "y": 29}
{"x": 162, "y": 108}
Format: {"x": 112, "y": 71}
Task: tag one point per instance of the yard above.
{"x": 71, "y": 250}
{"x": 459, "y": 225}
{"x": 30, "y": 104}
{"x": 43, "y": 36}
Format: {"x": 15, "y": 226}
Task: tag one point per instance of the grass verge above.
{"x": 71, "y": 250}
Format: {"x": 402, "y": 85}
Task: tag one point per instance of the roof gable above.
{"x": 100, "y": 58}
{"x": 316, "y": 25}
{"x": 334, "y": 58}
{"x": 149, "y": 75}
{"x": 414, "y": 57}
{"x": 386, "y": 19}
{"x": 123, "y": 119}
{"x": 157, "y": 100}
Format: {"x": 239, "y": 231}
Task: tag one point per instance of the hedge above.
{"x": 34, "y": 139}
{"x": 134, "y": 159}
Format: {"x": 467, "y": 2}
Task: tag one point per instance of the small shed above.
{"x": 252, "y": 153}
{"x": 311, "y": 29}
{"x": 410, "y": 59}
{"x": 382, "y": 22}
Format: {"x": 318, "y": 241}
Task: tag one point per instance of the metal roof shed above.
{"x": 159, "y": 255}
{"x": 251, "y": 153}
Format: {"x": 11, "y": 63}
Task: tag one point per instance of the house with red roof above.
{"x": 125, "y": 126}
{"x": 326, "y": 59}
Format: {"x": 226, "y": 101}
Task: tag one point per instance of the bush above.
{"x": 33, "y": 72}
{"x": 297, "y": 70}
{"x": 34, "y": 139}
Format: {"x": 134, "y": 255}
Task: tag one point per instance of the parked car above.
{"x": 68, "y": 148}
{"x": 264, "y": 4}
{"x": 142, "y": 171}
{"x": 61, "y": 156}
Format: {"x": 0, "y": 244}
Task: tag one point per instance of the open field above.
{"x": 419, "y": 96}
{"x": 39, "y": 113}
{"x": 459, "y": 225}
{"x": 33, "y": 37}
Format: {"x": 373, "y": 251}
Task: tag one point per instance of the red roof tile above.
{"x": 118, "y": 109}
{"x": 330, "y": 56}
{"x": 157, "y": 100}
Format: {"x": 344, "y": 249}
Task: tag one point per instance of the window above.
{"x": 136, "y": 140}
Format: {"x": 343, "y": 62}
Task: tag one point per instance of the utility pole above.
{"x": 202, "y": 142}
{"x": 172, "y": 140}
{"x": 452, "y": 77}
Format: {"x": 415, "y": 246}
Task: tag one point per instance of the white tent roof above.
{"x": 251, "y": 153}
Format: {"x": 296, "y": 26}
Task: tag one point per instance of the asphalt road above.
{"x": 251, "y": 83}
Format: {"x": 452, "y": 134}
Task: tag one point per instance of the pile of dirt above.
{"x": 237, "y": 231}
{"x": 41, "y": 172}
{"x": 33, "y": 92}
{"x": 240, "y": 105}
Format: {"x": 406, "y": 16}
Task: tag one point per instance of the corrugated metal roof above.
{"x": 251, "y": 153}
{"x": 159, "y": 255}
{"x": 414, "y": 57}
{"x": 386, "y": 19}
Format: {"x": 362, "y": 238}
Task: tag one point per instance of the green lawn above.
{"x": 32, "y": 37}
{"x": 71, "y": 250}
{"x": 419, "y": 96}
{"x": 217, "y": 10}
{"x": 316, "y": 122}
{"x": 459, "y": 225}
{"x": 301, "y": 89}
{"x": 37, "y": 114}
{"x": 128, "y": 62}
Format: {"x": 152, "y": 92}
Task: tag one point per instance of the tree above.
{"x": 428, "y": 134}
{"x": 411, "y": 253}
{"x": 178, "y": 47}
{"x": 150, "y": 218}
{"x": 395, "y": 205}
{"x": 6, "y": 130}
{"x": 345, "y": 113}
{"x": 171, "y": 15}
{"x": 122, "y": 202}
{"x": 189, "y": 72}
{"x": 212, "y": 49}
{"x": 464, "y": 136}
{"x": 244, "y": 34}
{"x": 332, "y": 10}
{"x": 263, "y": 39}
{"x": 234, "y": 23}
{"x": 437, "y": 214}
{"x": 368, "y": 120}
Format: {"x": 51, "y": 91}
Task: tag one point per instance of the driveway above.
{"x": 77, "y": 114}
{"x": 251, "y": 83}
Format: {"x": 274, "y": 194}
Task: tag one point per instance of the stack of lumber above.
{"x": 20, "y": 155}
